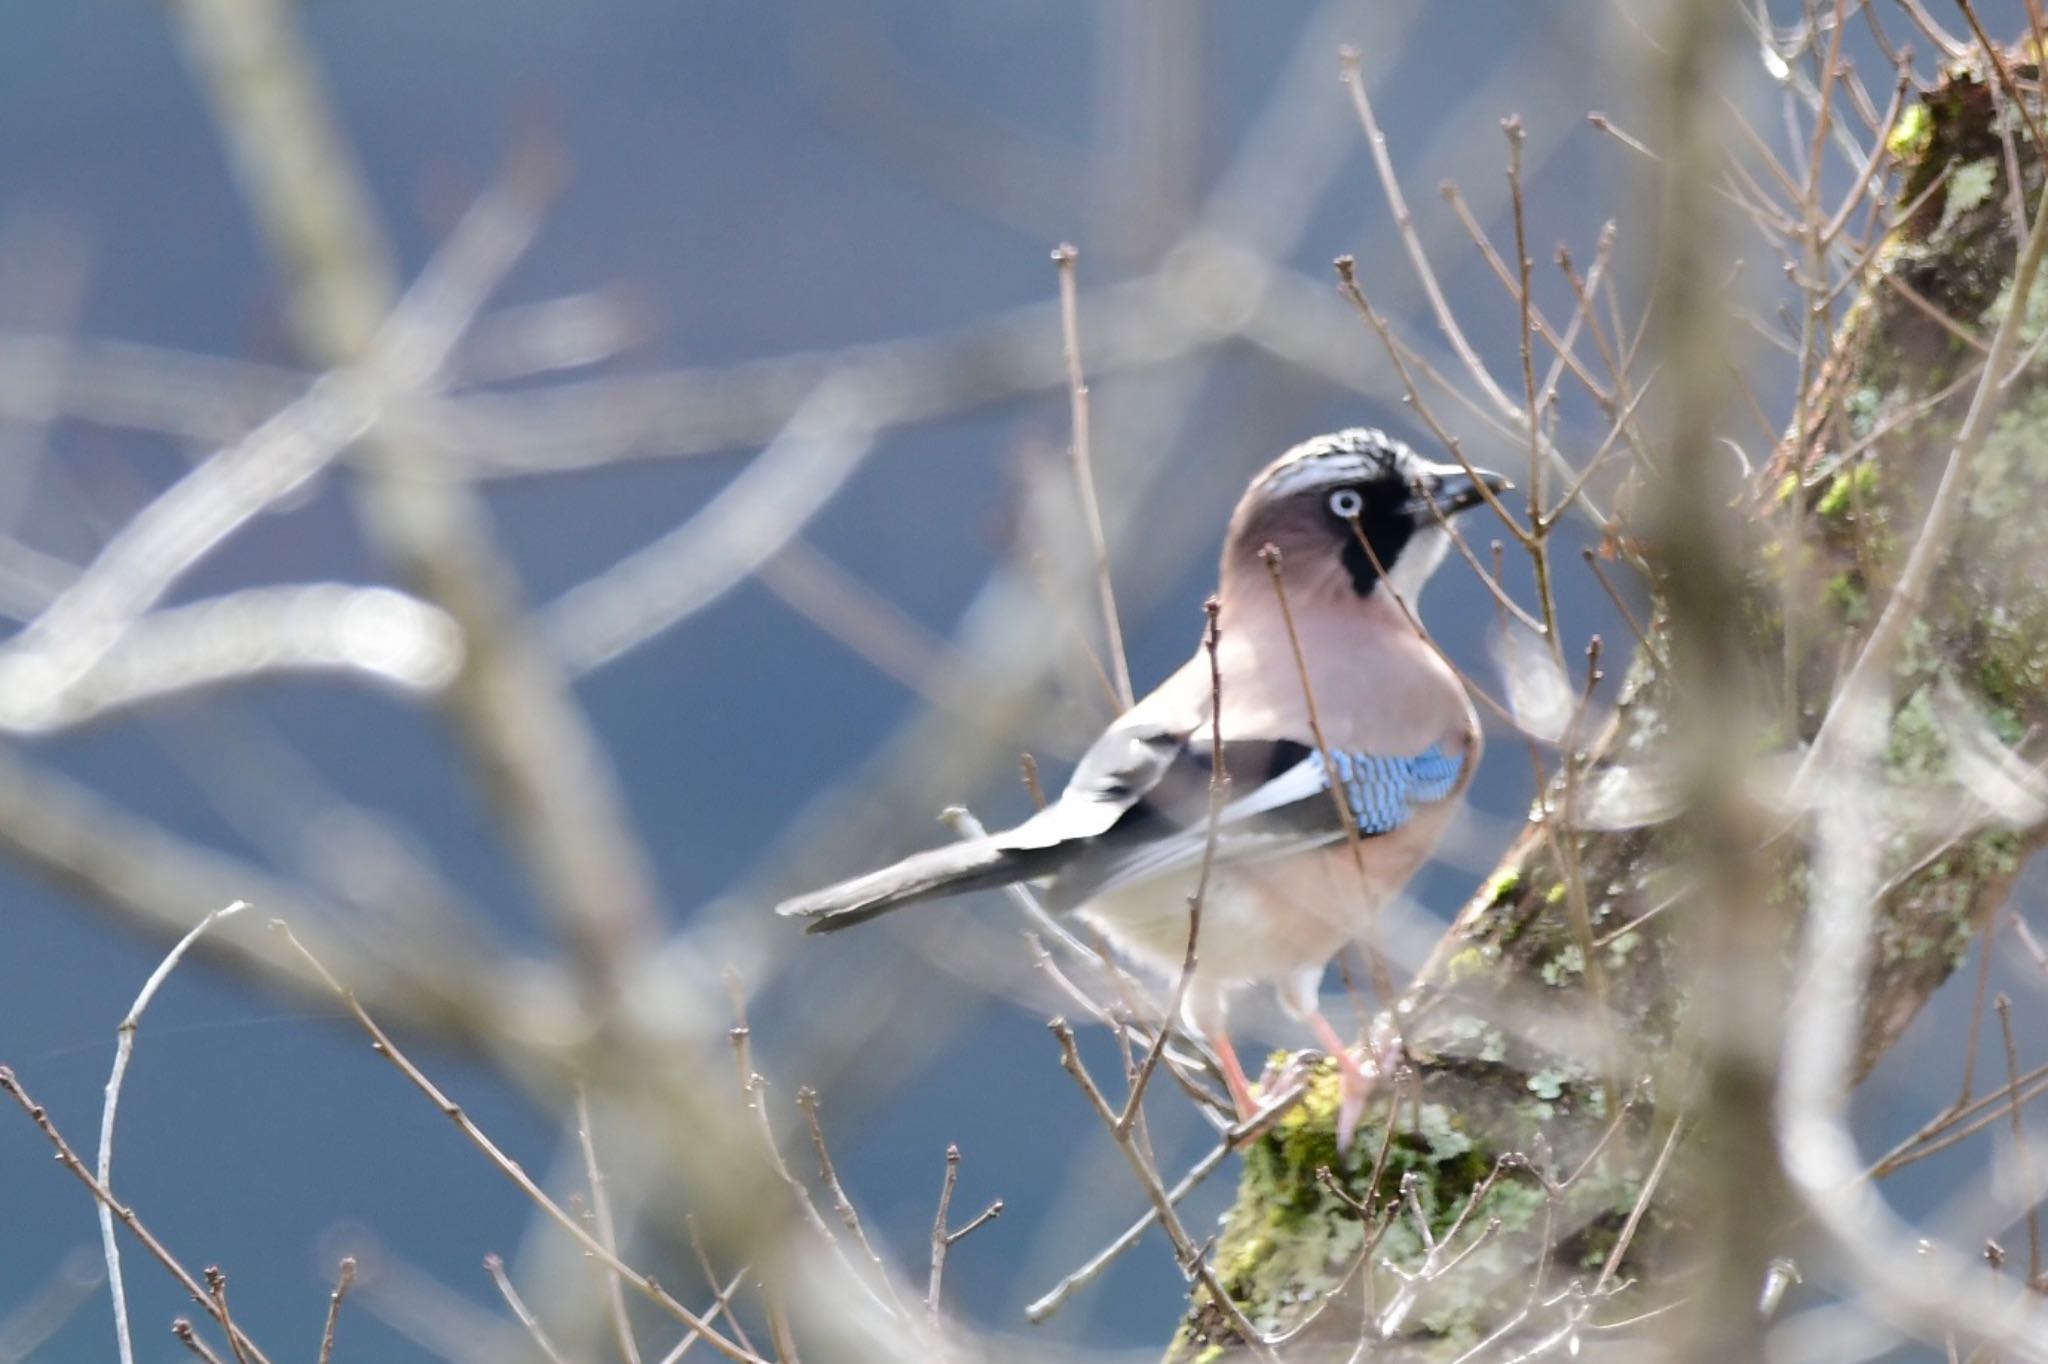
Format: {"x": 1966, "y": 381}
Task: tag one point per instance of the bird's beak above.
{"x": 1453, "y": 490}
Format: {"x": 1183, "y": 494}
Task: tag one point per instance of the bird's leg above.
{"x": 1354, "y": 1081}
{"x": 1233, "y": 1075}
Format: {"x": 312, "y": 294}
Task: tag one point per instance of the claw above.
{"x": 1283, "y": 1089}
{"x": 1355, "y": 1079}
{"x": 1354, "y": 1087}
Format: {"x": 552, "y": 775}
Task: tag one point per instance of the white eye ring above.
{"x": 1346, "y": 504}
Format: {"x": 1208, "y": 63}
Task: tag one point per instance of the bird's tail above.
{"x": 975, "y": 864}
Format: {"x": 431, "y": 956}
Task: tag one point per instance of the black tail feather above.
{"x": 976, "y": 864}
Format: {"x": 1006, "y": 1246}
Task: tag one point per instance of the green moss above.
{"x": 1288, "y": 1235}
{"x": 1465, "y": 964}
{"x": 1847, "y": 491}
{"x": 1502, "y": 887}
{"x": 1917, "y": 748}
{"x": 1911, "y": 134}
{"x": 1845, "y": 596}
{"x": 1555, "y": 895}
{"x": 1289, "y": 1239}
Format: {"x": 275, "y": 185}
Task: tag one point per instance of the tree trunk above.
{"x": 1512, "y": 1093}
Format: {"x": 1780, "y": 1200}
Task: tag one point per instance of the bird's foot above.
{"x": 1282, "y": 1088}
{"x": 1357, "y": 1078}
{"x": 1234, "y": 1078}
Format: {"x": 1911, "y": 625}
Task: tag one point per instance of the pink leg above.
{"x": 1233, "y": 1075}
{"x": 1339, "y": 1049}
{"x": 1354, "y": 1081}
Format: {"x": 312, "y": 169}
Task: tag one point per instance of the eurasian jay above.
{"x": 1359, "y": 522}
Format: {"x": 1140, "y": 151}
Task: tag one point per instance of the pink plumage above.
{"x": 1355, "y": 522}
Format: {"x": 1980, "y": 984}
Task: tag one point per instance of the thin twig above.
{"x": 1642, "y": 1205}
{"x": 1048, "y": 1303}
{"x": 722, "y": 1302}
{"x": 1065, "y": 259}
{"x": 1996, "y": 55}
{"x": 1347, "y": 275}
{"x": 1382, "y": 976}
{"x": 344, "y": 1279}
{"x": 495, "y": 1267}
{"x": 69, "y": 1159}
{"x": 1958, "y": 1123}
{"x": 862, "y": 619}
{"x": 739, "y": 1329}
{"x": 849, "y": 1217}
{"x": 1564, "y": 357}
{"x": 189, "y": 1338}
{"x": 1404, "y": 223}
{"x": 1525, "y": 304}
{"x": 940, "y": 1245}
{"x": 1219, "y": 784}
{"x": 1193, "y": 1260}
{"x": 382, "y": 1044}
{"x": 217, "y": 1289}
{"x": 1978, "y": 998}
{"x": 607, "y": 1230}
{"x": 778, "y": 1324}
{"x": 124, "y": 1050}
{"x": 2029, "y": 1198}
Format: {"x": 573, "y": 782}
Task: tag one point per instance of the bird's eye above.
{"x": 1346, "y": 504}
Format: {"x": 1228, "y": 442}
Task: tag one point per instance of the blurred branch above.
{"x": 381, "y": 635}
{"x": 862, "y": 619}
{"x": 751, "y": 519}
{"x": 536, "y": 756}
{"x": 150, "y": 879}
{"x": 28, "y": 1323}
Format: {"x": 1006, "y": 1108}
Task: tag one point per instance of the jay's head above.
{"x": 1353, "y": 509}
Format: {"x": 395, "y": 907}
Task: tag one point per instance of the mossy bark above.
{"x": 1505, "y": 1079}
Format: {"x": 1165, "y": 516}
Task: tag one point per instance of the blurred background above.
{"x": 750, "y": 198}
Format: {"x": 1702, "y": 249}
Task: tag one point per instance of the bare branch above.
{"x": 344, "y": 1279}
{"x": 663, "y": 583}
{"x": 70, "y": 1161}
{"x": 1081, "y": 447}
{"x": 124, "y": 1050}
{"x": 495, "y": 1267}
{"x": 510, "y": 1168}
{"x": 607, "y": 1230}
{"x": 544, "y": 769}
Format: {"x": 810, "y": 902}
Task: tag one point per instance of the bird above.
{"x": 1319, "y": 672}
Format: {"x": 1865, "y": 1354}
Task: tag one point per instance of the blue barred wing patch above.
{"x": 1382, "y": 791}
